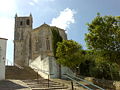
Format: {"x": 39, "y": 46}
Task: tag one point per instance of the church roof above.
{"x": 43, "y": 25}
{"x": 47, "y": 26}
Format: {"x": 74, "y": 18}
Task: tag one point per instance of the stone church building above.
{"x": 33, "y": 47}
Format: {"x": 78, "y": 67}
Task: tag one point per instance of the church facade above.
{"x": 33, "y": 47}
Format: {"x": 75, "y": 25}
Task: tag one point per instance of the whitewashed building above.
{"x": 3, "y": 44}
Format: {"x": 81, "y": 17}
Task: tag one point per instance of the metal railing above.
{"x": 18, "y": 66}
{"x": 43, "y": 71}
{"x": 77, "y": 80}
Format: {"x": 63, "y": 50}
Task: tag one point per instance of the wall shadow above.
{"x": 9, "y": 85}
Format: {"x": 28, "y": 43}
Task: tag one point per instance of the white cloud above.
{"x": 6, "y": 28}
{"x": 36, "y": 1}
{"x": 64, "y": 20}
{"x": 7, "y": 6}
{"x": 7, "y": 10}
{"x": 50, "y": 0}
{"x": 31, "y": 3}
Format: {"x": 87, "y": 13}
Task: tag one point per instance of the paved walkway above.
{"x": 13, "y": 85}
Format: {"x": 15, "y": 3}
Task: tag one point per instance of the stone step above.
{"x": 13, "y": 72}
{"x": 43, "y": 85}
{"x": 31, "y": 79}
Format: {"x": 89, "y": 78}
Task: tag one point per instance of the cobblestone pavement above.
{"x": 13, "y": 85}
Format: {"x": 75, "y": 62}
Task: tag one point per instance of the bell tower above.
{"x": 23, "y": 28}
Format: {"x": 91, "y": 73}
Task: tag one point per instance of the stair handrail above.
{"x": 73, "y": 80}
{"x": 89, "y": 83}
{"x": 85, "y": 81}
{"x": 18, "y": 66}
{"x": 45, "y": 72}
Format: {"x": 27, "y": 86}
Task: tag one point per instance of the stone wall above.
{"x": 23, "y": 28}
{"x": 54, "y": 68}
{"x": 48, "y": 66}
{"x": 40, "y": 66}
{"x": 45, "y": 67}
{"x": 41, "y": 41}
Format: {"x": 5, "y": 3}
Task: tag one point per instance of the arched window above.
{"x": 28, "y": 22}
{"x": 40, "y": 43}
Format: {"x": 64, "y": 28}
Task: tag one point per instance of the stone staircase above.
{"x": 31, "y": 78}
{"x": 42, "y": 84}
{"x": 13, "y": 72}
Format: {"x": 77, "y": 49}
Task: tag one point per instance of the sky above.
{"x": 71, "y": 15}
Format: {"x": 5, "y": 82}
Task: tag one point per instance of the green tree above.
{"x": 104, "y": 36}
{"x": 104, "y": 33}
{"x": 96, "y": 65}
{"x": 105, "y": 69}
{"x": 104, "y": 39}
{"x": 69, "y": 53}
{"x": 88, "y": 63}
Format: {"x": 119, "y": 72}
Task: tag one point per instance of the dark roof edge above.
{"x": 41, "y": 26}
{"x": 3, "y": 38}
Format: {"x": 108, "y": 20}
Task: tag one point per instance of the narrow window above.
{"x": 40, "y": 43}
{"x": 21, "y": 35}
{"x": 48, "y": 44}
{"x": 28, "y": 22}
{"x": 36, "y": 45}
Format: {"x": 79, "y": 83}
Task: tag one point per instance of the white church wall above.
{"x": 45, "y": 67}
{"x": 3, "y": 43}
{"x": 49, "y": 66}
{"x": 54, "y": 68}
{"x": 41, "y": 66}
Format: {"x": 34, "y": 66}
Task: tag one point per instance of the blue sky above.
{"x": 71, "y": 15}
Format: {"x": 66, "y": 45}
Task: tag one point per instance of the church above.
{"x": 33, "y": 47}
